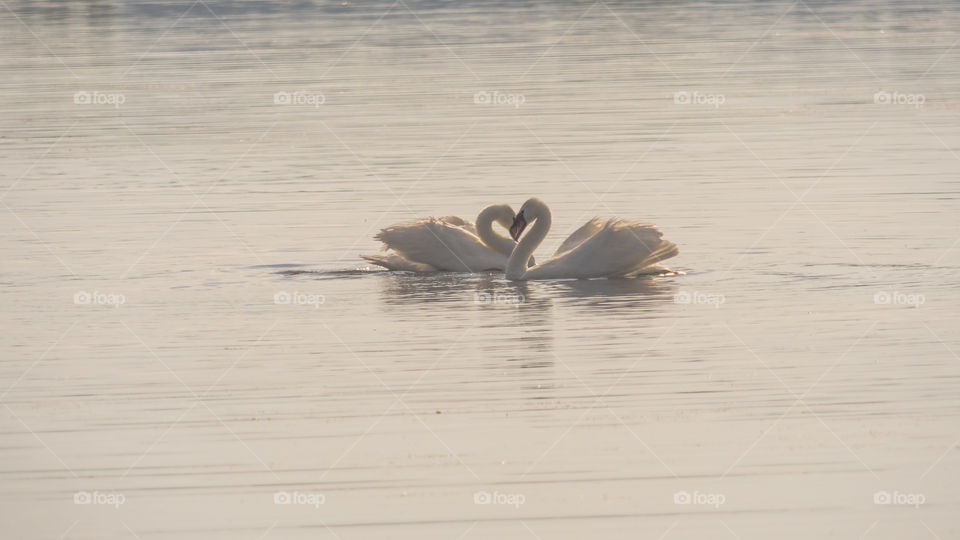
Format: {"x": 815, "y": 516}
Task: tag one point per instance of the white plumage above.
{"x": 615, "y": 248}
{"x": 448, "y": 243}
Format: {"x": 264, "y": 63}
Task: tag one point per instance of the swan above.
{"x": 447, "y": 243}
{"x": 615, "y": 248}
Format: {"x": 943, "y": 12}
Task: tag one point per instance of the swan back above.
{"x": 440, "y": 244}
{"x": 619, "y": 248}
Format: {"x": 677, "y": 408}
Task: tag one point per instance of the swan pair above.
{"x": 615, "y": 248}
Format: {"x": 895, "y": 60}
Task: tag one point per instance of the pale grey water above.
{"x": 799, "y": 201}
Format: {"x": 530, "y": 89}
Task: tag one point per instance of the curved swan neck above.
{"x": 488, "y": 236}
{"x": 539, "y": 214}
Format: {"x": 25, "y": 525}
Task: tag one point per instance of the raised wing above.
{"x": 441, "y": 245}
{"x": 458, "y": 221}
{"x": 588, "y": 229}
{"x": 619, "y": 248}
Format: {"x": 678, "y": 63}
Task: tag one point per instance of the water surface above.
{"x": 804, "y": 156}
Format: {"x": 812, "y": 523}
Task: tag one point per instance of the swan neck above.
{"x": 488, "y": 236}
{"x": 517, "y": 265}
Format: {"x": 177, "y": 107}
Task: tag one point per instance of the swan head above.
{"x": 504, "y": 215}
{"x": 518, "y": 225}
{"x": 530, "y": 211}
{"x": 501, "y": 214}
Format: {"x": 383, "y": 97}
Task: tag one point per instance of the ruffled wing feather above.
{"x": 442, "y": 245}
{"x": 620, "y": 248}
{"x": 588, "y": 229}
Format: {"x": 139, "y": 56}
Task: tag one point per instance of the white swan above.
{"x": 616, "y": 248}
{"x": 448, "y": 243}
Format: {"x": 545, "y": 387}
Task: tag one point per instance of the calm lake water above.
{"x": 193, "y": 348}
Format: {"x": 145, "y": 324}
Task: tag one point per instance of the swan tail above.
{"x": 658, "y": 270}
{"x": 649, "y": 264}
{"x": 395, "y": 262}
